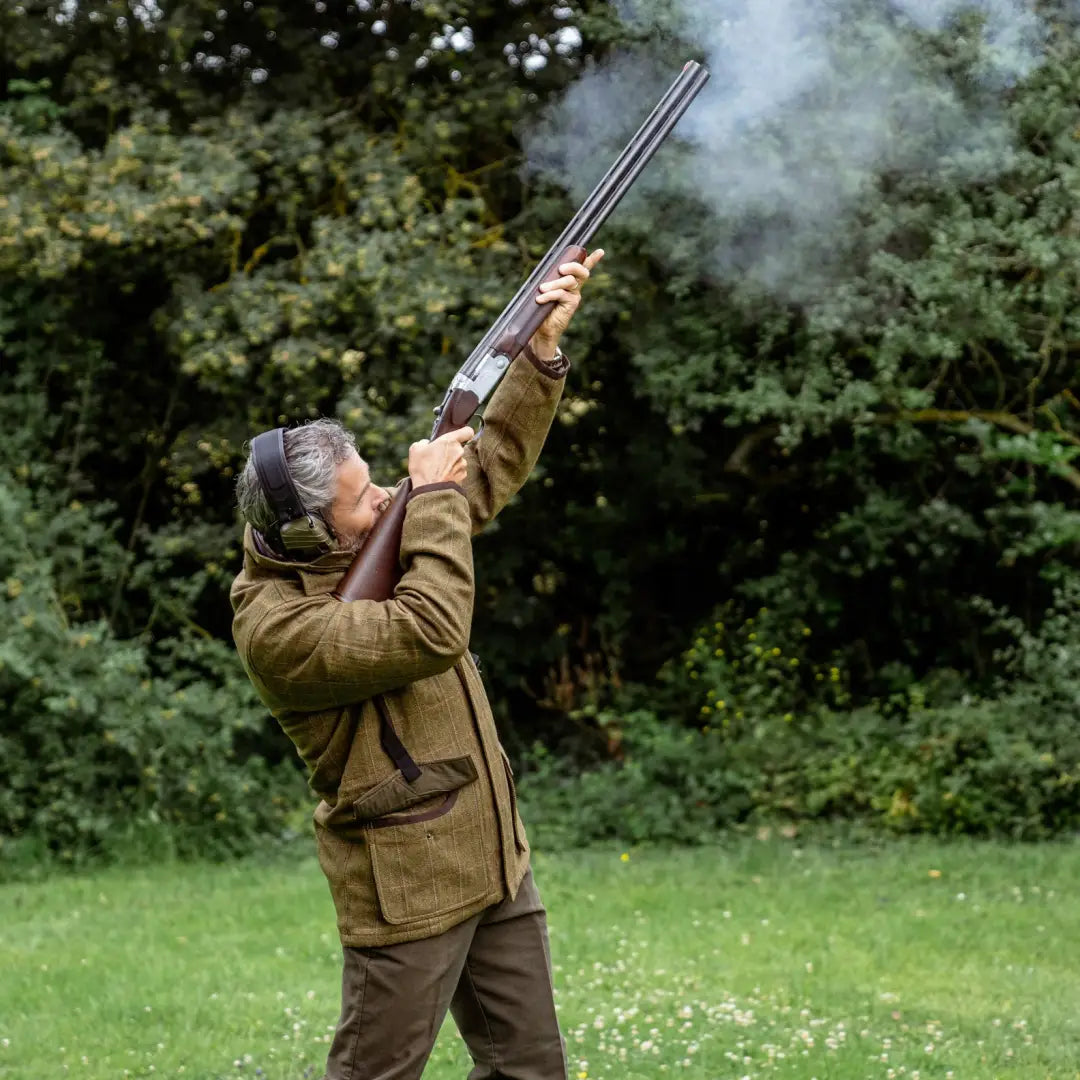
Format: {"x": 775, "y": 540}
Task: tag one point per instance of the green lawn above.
{"x": 760, "y": 959}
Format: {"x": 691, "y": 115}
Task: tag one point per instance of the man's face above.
{"x": 357, "y": 503}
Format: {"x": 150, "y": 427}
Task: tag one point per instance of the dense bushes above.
{"x": 215, "y": 221}
{"x": 769, "y": 748}
{"x": 986, "y": 768}
{"x": 111, "y": 747}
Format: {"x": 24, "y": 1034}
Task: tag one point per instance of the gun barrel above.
{"x": 617, "y": 186}
{"x": 637, "y": 154}
{"x": 605, "y": 196}
{"x": 374, "y": 572}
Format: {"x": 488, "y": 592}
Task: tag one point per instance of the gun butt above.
{"x": 376, "y": 570}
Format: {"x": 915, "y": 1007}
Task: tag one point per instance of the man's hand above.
{"x": 440, "y": 461}
{"x": 564, "y": 291}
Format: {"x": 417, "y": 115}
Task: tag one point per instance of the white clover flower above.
{"x": 462, "y": 40}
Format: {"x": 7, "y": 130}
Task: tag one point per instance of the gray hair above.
{"x": 312, "y": 453}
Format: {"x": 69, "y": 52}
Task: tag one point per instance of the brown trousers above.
{"x": 492, "y": 972}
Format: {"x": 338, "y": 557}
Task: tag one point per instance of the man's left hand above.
{"x": 565, "y": 293}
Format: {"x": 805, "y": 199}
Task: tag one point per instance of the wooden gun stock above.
{"x": 375, "y": 572}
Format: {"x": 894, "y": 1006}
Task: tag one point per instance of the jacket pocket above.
{"x": 377, "y": 806}
{"x": 431, "y": 853}
{"x": 519, "y": 827}
{"x": 384, "y": 804}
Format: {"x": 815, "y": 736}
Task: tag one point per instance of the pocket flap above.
{"x": 395, "y": 793}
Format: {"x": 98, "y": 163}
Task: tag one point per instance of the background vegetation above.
{"x": 748, "y": 959}
{"x": 787, "y": 558}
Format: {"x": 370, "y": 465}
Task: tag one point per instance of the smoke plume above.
{"x": 809, "y": 104}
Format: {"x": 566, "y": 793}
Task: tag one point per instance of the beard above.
{"x": 352, "y": 541}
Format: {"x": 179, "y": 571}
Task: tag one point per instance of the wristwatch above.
{"x": 556, "y": 367}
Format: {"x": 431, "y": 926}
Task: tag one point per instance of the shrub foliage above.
{"x": 215, "y": 218}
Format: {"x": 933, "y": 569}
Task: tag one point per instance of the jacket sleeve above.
{"x": 316, "y": 652}
{"x": 516, "y": 423}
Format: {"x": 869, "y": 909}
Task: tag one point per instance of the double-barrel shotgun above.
{"x": 374, "y": 572}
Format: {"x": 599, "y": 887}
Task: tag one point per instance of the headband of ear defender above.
{"x": 294, "y": 531}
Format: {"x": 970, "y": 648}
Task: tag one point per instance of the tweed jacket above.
{"x": 404, "y": 860}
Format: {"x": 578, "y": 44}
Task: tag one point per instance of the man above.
{"x": 418, "y": 830}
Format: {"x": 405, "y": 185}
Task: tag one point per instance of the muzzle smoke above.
{"x": 810, "y": 103}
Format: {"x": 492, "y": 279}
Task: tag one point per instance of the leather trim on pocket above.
{"x": 351, "y": 818}
{"x": 414, "y": 819}
{"x": 395, "y": 793}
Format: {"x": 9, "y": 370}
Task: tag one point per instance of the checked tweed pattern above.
{"x": 324, "y": 669}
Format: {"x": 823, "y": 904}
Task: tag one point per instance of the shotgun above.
{"x": 374, "y": 572}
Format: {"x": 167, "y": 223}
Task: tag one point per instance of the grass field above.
{"x": 760, "y": 959}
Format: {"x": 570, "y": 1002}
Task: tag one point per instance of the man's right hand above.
{"x": 440, "y": 461}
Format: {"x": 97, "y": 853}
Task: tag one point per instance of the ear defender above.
{"x": 306, "y": 536}
{"x": 294, "y": 531}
